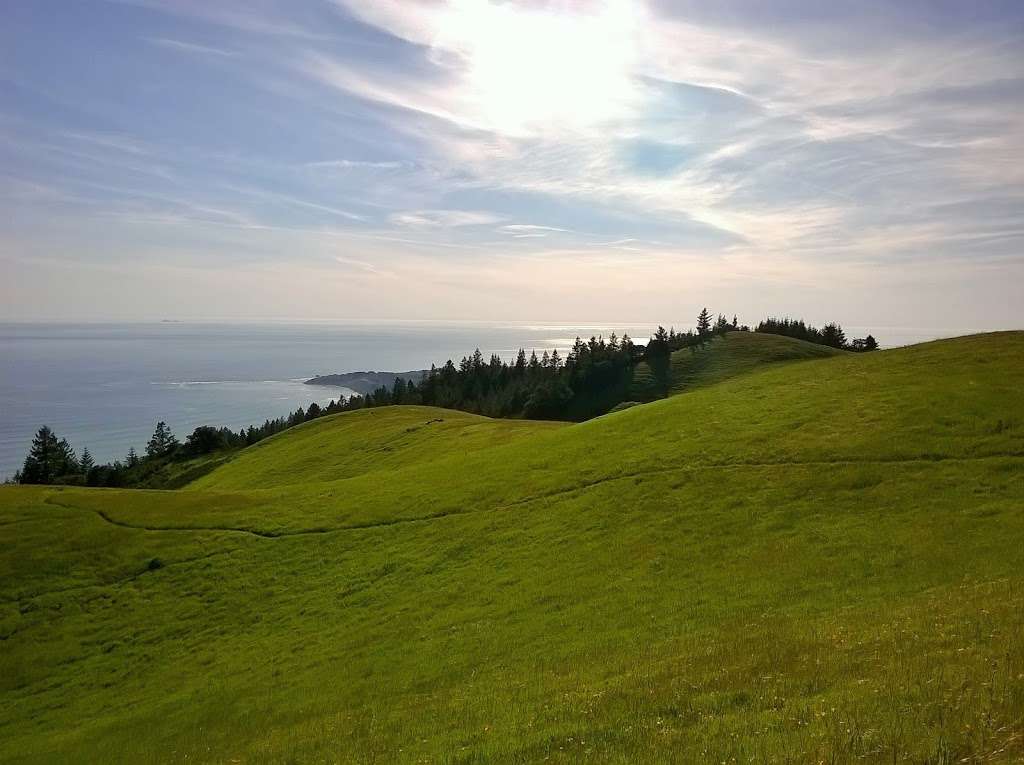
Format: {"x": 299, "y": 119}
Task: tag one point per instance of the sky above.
{"x": 605, "y": 160}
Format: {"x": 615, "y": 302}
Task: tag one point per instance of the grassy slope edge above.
{"x": 813, "y": 561}
{"x": 734, "y": 354}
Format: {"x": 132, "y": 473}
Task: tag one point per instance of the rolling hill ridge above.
{"x": 805, "y": 555}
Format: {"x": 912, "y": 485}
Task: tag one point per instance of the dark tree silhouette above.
{"x": 704, "y": 324}
{"x": 86, "y": 462}
{"x": 832, "y": 334}
{"x": 41, "y": 463}
{"x": 162, "y": 442}
{"x": 864, "y": 344}
{"x": 205, "y": 439}
{"x": 49, "y": 459}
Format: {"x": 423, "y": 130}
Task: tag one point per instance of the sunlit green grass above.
{"x": 387, "y": 438}
{"x": 820, "y": 561}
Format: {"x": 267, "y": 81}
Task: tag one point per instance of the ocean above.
{"x": 106, "y": 386}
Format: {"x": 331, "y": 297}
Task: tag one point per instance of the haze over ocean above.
{"x": 105, "y": 385}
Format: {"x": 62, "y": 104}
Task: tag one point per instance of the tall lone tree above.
{"x": 86, "y": 463}
{"x": 162, "y": 442}
{"x": 49, "y": 458}
{"x": 41, "y": 461}
{"x": 704, "y": 323}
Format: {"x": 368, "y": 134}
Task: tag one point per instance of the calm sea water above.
{"x": 106, "y": 385}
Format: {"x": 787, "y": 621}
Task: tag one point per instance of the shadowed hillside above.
{"x": 723, "y": 357}
{"x": 737, "y": 353}
{"x": 802, "y": 562}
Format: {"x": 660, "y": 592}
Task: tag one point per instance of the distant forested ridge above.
{"x": 365, "y": 382}
{"x": 592, "y": 378}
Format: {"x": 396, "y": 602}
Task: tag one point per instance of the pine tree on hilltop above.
{"x": 833, "y": 335}
{"x": 704, "y": 323}
{"x": 48, "y": 459}
{"x": 658, "y": 345}
{"x": 162, "y": 442}
{"x": 42, "y": 455}
{"x": 86, "y": 463}
{"x": 67, "y": 460}
{"x": 520, "y": 362}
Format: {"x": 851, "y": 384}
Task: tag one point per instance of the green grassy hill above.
{"x": 818, "y": 561}
{"x": 387, "y": 437}
{"x": 724, "y": 357}
{"x": 738, "y": 353}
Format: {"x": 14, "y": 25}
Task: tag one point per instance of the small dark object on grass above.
{"x": 154, "y": 564}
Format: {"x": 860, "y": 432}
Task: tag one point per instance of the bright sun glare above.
{"x": 533, "y": 70}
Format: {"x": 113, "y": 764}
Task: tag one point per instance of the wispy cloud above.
{"x": 113, "y": 141}
{"x": 356, "y": 164}
{"x": 190, "y": 47}
{"x": 444, "y": 218}
{"x": 520, "y": 228}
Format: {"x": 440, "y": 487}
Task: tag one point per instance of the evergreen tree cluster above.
{"x": 50, "y": 460}
{"x": 831, "y": 334}
{"x": 585, "y": 382}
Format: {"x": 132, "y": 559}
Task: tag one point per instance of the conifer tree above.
{"x": 833, "y": 335}
{"x": 659, "y": 344}
{"x": 520, "y": 362}
{"x": 67, "y": 460}
{"x": 86, "y": 463}
{"x": 704, "y": 323}
{"x": 162, "y": 442}
{"x": 42, "y": 456}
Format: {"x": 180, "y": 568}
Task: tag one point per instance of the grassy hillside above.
{"x": 814, "y": 561}
{"x": 738, "y": 353}
{"x": 724, "y": 357}
{"x": 346, "y": 445}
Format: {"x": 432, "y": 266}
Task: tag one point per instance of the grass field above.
{"x": 724, "y": 357}
{"x": 818, "y": 561}
{"x": 738, "y": 353}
